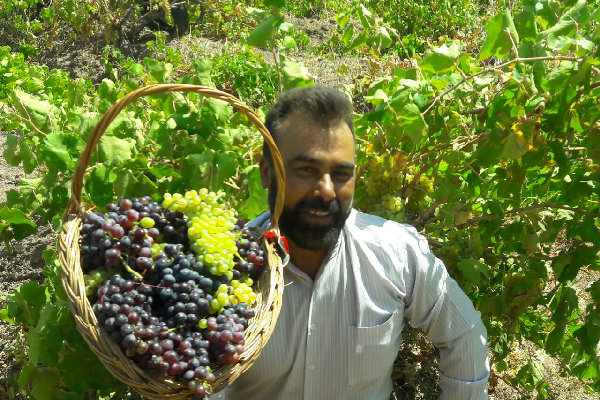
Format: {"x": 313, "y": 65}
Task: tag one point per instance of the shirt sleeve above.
{"x": 438, "y": 306}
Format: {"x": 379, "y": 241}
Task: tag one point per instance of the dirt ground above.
{"x": 415, "y": 372}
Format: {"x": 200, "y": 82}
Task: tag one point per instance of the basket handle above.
{"x": 110, "y": 114}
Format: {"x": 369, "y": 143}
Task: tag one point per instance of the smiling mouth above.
{"x": 318, "y": 213}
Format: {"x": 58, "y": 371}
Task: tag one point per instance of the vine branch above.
{"x": 477, "y": 219}
{"x": 497, "y": 69}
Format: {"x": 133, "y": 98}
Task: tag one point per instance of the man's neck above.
{"x": 308, "y": 261}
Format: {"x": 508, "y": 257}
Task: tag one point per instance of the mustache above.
{"x": 333, "y": 206}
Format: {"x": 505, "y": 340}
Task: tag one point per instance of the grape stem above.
{"x": 137, "y": 274}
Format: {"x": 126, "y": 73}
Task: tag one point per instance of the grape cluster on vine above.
{"x": 391, "y": 192}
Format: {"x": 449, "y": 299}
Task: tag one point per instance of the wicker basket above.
{"x": 268, "y": 288}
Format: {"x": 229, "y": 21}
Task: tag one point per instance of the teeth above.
{"x": 318, "y": 213}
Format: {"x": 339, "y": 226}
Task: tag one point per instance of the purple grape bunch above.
{"x": 251, "y": 257}
{"x": 126, "y": 233}
{"x": 157, "y": 327}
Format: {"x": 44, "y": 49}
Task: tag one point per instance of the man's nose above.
{"x": 325, "y": 189}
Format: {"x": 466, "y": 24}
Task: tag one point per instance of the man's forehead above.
{"x": 295, "y": 124}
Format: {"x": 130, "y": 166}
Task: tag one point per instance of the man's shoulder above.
{"x": 260, "y": 221}
{"x": 371, "y": 228}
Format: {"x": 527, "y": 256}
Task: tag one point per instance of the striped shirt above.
{"x": 337, "y": 337}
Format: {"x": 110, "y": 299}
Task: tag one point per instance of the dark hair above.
{"x": 317, "y": 103}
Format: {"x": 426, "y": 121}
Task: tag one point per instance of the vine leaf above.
{"x": 440, "y": 59}
{"x": 111, "y": 149}
{"x": 25, "y": 304}
{"x": 20, "y": 225}
{"x": 525, "y": 23}
{"x": 569, "y": 21}
{"x": 295, "y": 74}
{"x": 29, "y": 161}
{"x": 257, "y": 198}
{"x": 100, "y": 185}
{"x": 274, "y": 3}
{"x": 472, "y": 270}
{"x": 35, "y": 112}
{"x": 265, "y": 31}
{"x": 517, "y": 144}
{"x": 501, "y": 33}
{"x": 57, "y": 150}
{"x": 11, "y": 153}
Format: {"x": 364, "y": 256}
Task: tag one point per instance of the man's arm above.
{"x": 439, "y": 307}
{"x": 464, "y": 370}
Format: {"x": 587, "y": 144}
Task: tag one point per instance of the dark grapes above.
{"x": 160, "y": 304}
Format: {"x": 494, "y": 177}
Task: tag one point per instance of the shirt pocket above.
{"x": 373, "y": 349}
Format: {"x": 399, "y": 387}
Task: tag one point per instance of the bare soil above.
{"x": 415, "y": 373}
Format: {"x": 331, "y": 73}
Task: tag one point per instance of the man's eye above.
{"x": 343, "y": 175}
{"x": 307, "y": 170}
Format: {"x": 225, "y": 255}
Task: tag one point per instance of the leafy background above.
{"x": 478, "y": 123}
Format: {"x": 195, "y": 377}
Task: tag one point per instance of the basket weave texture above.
{"x": 268, "y": 288}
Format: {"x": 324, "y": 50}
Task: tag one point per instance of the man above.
{"x": 353, "y": 278}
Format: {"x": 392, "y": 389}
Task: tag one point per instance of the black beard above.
{"x": 307, "y": 236}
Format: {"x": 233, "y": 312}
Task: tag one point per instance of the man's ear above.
{"x": 265, "y": 172}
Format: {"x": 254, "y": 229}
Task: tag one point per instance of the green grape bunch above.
{"x": 390, "y": 190}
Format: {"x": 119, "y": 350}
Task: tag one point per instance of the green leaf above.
{"x": 440, "y": 59}
{"x": 366, "y": 18}
{"x": 29, "y": 160}
{"x": 21, "y": 226}
{"x": 576, "y": 16}
{"x": 265, "y": 31}
{"x": 37, "y": 113}
{"x": 202, "y": 68}
{"x": 525, "y": 23}
{"x": 567, "y": 304}
{"x": 47, "y": 336}
{"x": 498, "y": 43}
{"x": 257, "y": 196}
{"x": 197, "y": 167}
{"x": 274, "y": 3}
{"x": 12, "y": 154}
{"x": 26, "y": 374}
{"x": 384, "y": 37}
{"x": 592, "y": 372}
{"x": 472, "y": 270}
{"x": 111, "y": 149}
{"x": 122, "y": 182}
{"x": 295, "y": 74}
{"x": 144, "y": 185}
{"x": 288, "y": 43}
{"x": 26, "y": 303}
{"x": 517, "y": 144}
{"x": 358, "y": 40}
{"x": 158, "y": 70}
{"x": 589, "y": 333}
{"x": 61, "y": 150}
{"x": 554, "y": 338}
{"x": 136, "y": 69}
{"x": 161, "y": 170}
{"x": 225, "y": 167}
{"x": 100, "y": 185}
{"x": 45, "y": 385}
{"x": 347, "y": 35}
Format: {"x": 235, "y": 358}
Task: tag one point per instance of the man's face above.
{"x": 319, "y": 169}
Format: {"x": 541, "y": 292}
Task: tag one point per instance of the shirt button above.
{"x": 312, "y": 327}
{"x": 311, "y": 367}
